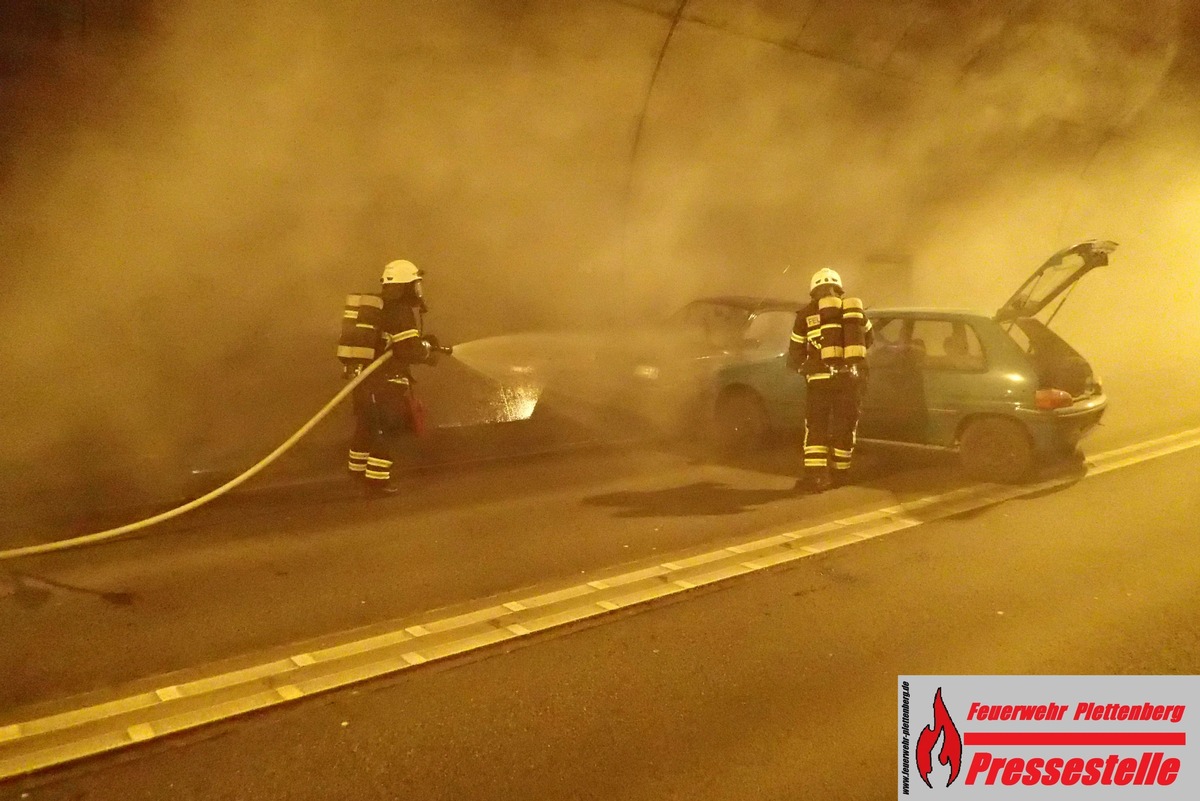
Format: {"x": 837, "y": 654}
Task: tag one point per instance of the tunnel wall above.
{"x": 189, "y": 189}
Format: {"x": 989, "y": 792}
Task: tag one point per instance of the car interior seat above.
{"x": 917, "y": 351}
{"x": 957, "y": 349}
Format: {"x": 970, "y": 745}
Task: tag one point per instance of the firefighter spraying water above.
{"x": 387, "y": 412}
{"x": 376, "y": 330}
{"x": 382, "y": 337}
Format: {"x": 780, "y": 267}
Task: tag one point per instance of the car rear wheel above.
{"x": 995, "y": 449}
{"x": 740, "y": 420}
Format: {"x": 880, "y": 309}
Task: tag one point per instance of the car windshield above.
{"x": 770, "y": 329}
{"x": 718, "y": 324}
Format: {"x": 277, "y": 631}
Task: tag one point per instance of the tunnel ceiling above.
{"x": 222, "y": 166}
{"x": 587, "y": 133}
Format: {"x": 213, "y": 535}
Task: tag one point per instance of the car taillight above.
{"x": 1052, "y": 398}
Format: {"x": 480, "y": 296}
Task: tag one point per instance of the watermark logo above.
{"x": 1093, "y": 737}
{"x": 942, "y": 728}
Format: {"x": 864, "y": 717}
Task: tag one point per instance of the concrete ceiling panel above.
{"x": 778, "y": 21}
{"x": 864, "y": 33}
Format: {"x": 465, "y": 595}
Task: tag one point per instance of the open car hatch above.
{"x": 1058, "y": 274}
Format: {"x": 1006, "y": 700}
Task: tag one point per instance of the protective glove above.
{"x": 351, "y": 371}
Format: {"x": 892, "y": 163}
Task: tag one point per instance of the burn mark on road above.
{"x": 33, "y": 592}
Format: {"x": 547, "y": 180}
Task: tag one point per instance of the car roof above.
{"x": 929, "y": 311}
{"x": 752, "y": 303}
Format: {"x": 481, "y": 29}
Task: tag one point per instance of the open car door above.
{"x": 1058, "y": 274}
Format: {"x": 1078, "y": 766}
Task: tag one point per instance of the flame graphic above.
{"x": 951, "y": 752}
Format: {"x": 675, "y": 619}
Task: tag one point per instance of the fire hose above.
{"x": 100, "y": 536}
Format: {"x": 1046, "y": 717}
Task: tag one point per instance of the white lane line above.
{"x": 656, "y": 590}
{"x": 466, "y": 619}
{"x": 833, "y": 543}
{"x": 459, "y": 634}
{"x": 772, "y": 559}
{"x": 816, "y": 531}
{"x": 289, "y": 692}
{"x": 714, "y": 575}
{"x": 1132, "y": 460}
{"x": 697, "y": 560}
{"x": 633, "y": 577}
{"x": 865, "y": 517}
{"x": 68, "y": 752}
{"x": 76, "y": 717}
{"x": 555, "y": 619}
{"x": 768, "y": 542}
{"x": 358, "y": 646}
{"x": 140, "y": 731}
{"x": 897, "y": 524}
{"x": 168, "y": 693}
{"x": 236, "y": 677}
{"x": 548, "y": 598}
{"x": 468, "y": 643}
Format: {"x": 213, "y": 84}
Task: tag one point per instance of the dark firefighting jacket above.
{"x": 372, "y": 326}
{"x": 830, "y": 334}
{"x": 399, "y": 331}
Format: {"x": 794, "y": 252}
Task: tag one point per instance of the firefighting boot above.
{"x": 379, "y": 480}
{"x": 813, "y": 482}
{"x": 380, "y": 488}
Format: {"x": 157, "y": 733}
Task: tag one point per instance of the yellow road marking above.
{"x": 76, "y": 733}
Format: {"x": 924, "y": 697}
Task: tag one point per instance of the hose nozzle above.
{"x": 437, "y": 347}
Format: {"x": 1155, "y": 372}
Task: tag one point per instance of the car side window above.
{"x": 1020, "y": 337}
{"x": 889, "y": 348}
{"x": 887, "y": 332}
{"x": 948, "y": 345}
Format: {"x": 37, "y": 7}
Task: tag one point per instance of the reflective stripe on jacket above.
{"x": 829, "y": 334}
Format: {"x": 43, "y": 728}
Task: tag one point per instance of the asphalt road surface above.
{"x": 776, "y": 684}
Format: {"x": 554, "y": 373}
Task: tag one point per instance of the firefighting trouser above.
{"x": 382, "y": 418}
{"x": 830, "y": 421}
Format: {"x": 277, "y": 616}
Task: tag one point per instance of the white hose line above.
{"x": 89, "y": 539}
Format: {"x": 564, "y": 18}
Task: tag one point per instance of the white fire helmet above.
{"x": 824, "y": 276}
{"x": 400, "y": 272}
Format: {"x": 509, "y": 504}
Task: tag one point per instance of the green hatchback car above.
{"x": 1003, "y": 390}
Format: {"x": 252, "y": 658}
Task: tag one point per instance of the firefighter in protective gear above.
{"x": 829, "y": 345}
{"x": 385, "y": 408}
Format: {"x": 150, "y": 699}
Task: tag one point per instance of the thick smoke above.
{"x": 188, "y": 194}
